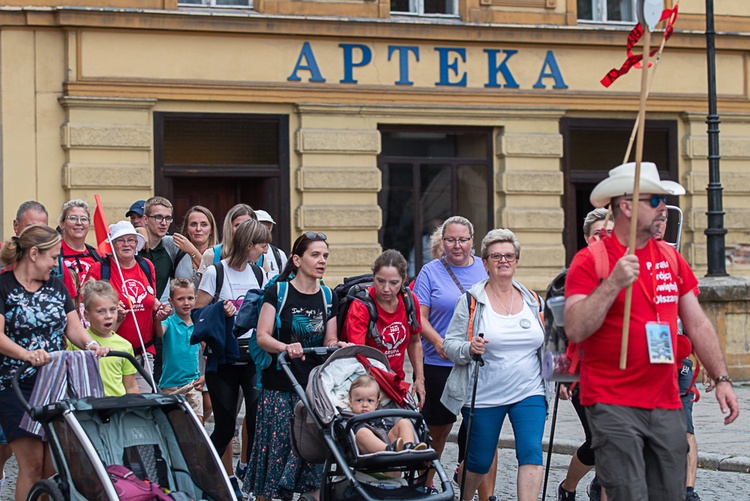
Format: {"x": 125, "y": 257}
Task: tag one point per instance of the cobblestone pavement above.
{"x": 711, "y": 485}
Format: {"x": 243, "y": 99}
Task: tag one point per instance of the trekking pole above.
{"x": 478, "y": 361}
{"x": 551, "y": 439}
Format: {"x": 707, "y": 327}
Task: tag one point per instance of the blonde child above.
{"x": 364, "y": 396}
{"x": 180, "y": 372}
{"x": 100, "y": 311}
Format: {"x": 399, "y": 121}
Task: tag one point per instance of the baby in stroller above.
{"x": 364, "y": 396}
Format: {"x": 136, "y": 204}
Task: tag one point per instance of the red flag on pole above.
{"x": 101, "y": 228}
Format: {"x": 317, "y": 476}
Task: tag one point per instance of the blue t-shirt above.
{"x": 436, "y": 289}
{"x": 179, "y": 357}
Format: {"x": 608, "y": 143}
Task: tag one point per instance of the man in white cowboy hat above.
{"x": 635, "y": 414}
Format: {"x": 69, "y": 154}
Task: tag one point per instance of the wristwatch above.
{"x": 723, "y": 379}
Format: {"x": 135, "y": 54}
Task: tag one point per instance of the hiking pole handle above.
{"x": 477, "y": 357}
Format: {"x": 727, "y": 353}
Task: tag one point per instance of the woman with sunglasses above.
{"x": 77, "y": 256}
{"x": 240, "y": 274}
{"x": 438, "y": 286}
{"x": 510, "y": 382}
{"x": 307, "y": 320}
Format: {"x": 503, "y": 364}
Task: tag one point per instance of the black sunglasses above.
{"x": 654, "y": 200}
{"x": 309, "y": 235}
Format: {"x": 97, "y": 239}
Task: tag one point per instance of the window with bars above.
{"x": 604, "y": 11}
{"x": 217, "y": 3}
{"x": 425, "y": 7}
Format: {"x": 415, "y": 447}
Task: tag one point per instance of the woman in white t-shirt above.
{"x": 249, "y": 241}
{"x": 510, "y": 382}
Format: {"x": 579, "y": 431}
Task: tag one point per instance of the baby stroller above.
{"x": 144, "y": 447}
{"x": 323, "y": 432}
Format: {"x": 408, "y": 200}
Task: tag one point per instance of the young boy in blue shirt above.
{"x": 180, "y": 373}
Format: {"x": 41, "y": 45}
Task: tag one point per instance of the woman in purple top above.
{"x": 438, "y": 286}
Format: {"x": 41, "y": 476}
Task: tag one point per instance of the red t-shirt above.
{"x": 393, "y": 328}
{"x": 656, "y": 292}
{"x": 140, "y": 293}
{"x": 79, "y": 261}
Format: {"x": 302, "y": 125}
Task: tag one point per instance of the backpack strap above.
{"x": 601, "y": 259}
{"x": 217, "y": 252}
{"x": 177, "y": 258}
{"x": 670, "y": 253}
{"x": 471, "y": 302}
{"x": 276, "y": 256}
{"x": 94, "y": 253}
{"x": 106, "y": 273}
{"x": 219, "y": 280}
{"x": 411, "y": 309}
{"x": 281, "y": 293}
{"x": 258, "y": 271}
{"x": 328, "y": 299}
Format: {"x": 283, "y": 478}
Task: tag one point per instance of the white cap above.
{"x": 122, "y": 228}
{"x": 264, "y": 216}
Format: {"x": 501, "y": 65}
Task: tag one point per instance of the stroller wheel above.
{"x": 45, "y": 489}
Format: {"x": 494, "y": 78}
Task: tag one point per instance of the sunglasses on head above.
{"x": 654, "y": 200}
{"x": 309, "y": 235}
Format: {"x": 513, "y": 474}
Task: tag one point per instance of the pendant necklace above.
{"x": 512, "y": 297}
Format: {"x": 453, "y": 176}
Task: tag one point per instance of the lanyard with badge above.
{"x": 658, "y": 336}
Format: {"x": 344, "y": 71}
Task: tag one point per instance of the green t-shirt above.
{"x": 112, "y": 369}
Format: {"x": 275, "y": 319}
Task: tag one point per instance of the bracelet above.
{"x": 90, "y": 344}
{"x": 723, "y": 379}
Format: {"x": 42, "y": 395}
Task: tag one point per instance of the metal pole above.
{"x": 715, "y": 245}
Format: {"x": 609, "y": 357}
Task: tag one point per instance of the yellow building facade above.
{"x": 365, "y": 119}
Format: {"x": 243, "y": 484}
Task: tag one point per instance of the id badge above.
{"x": 659, "y": 343}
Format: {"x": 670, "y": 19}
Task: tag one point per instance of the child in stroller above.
{"x": 364, "y": 396}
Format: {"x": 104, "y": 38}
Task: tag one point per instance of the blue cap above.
{"x": 137, "y": 208}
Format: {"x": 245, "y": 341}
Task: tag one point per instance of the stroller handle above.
{"x": 34, "y": 411}
{"x": 318, "y": 350}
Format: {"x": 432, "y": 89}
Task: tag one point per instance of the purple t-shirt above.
{"x": 436, "y": 289}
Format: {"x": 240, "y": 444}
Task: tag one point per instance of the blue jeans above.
{"x": 527, "y": 418}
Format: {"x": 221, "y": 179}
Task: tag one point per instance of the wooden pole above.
{"x": 636, "y": 193}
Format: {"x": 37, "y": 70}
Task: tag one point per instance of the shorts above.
{"x": 435, "y": 413}
{"x": 640, "y": 453}
{"x": 194, "y": 397}
{"x": 684, "y": 378}
{"x": 144, "y": 386}
{"x": 10, "y": 418}
{"x": 3, "y": 440}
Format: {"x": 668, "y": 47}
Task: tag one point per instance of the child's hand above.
{"x": 162, "y": 311}
{"x": 229, "y": 308}
{"x": 122, "y": 310}
{"x": 199, "y": 383}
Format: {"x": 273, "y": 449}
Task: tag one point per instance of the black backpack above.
{"x": 355, "y": 289}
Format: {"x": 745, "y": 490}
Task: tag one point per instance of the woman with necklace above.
{"x": 307, "y": 320}
{"x": 36, "y": 314}
{"x": 510, "y": 382}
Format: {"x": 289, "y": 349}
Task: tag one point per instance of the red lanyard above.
{"x": 652, "y": 296}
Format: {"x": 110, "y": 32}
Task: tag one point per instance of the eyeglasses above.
{"x": 310, "y": 235}
{"x": 124, "y": 241}
{"x": 497, "y": 257}
{"x": 654, "y": 200}
{"x": 454, "y": 241}
{"x": 77, "y": 219}
{"x": 160, "y": 219}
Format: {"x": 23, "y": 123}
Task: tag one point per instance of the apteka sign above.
{"x": 451, "y": 66}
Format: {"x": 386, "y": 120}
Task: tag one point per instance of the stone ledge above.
{"x": 341, "y": 141}
{"x": 116, "y": 176}
{"x": 724, "y": 289}
{"x": 354, "y": 217}
{"x": 530, "y": 182}
{"x": 529, "y": 219}
{"x": 338, "y": 179}
{"x": 731, "y": 147}
{"x": 105, "y": 137}
{"x": 513, "y": 144}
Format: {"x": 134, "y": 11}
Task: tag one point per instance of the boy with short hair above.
{"x": 180, "y": 373}
{"x": 100, "y": 310}
{"x": 364, "y": 396}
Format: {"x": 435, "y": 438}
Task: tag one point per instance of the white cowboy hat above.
{"x": 620, "y": 182}
{"x": 122, "y": 228}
